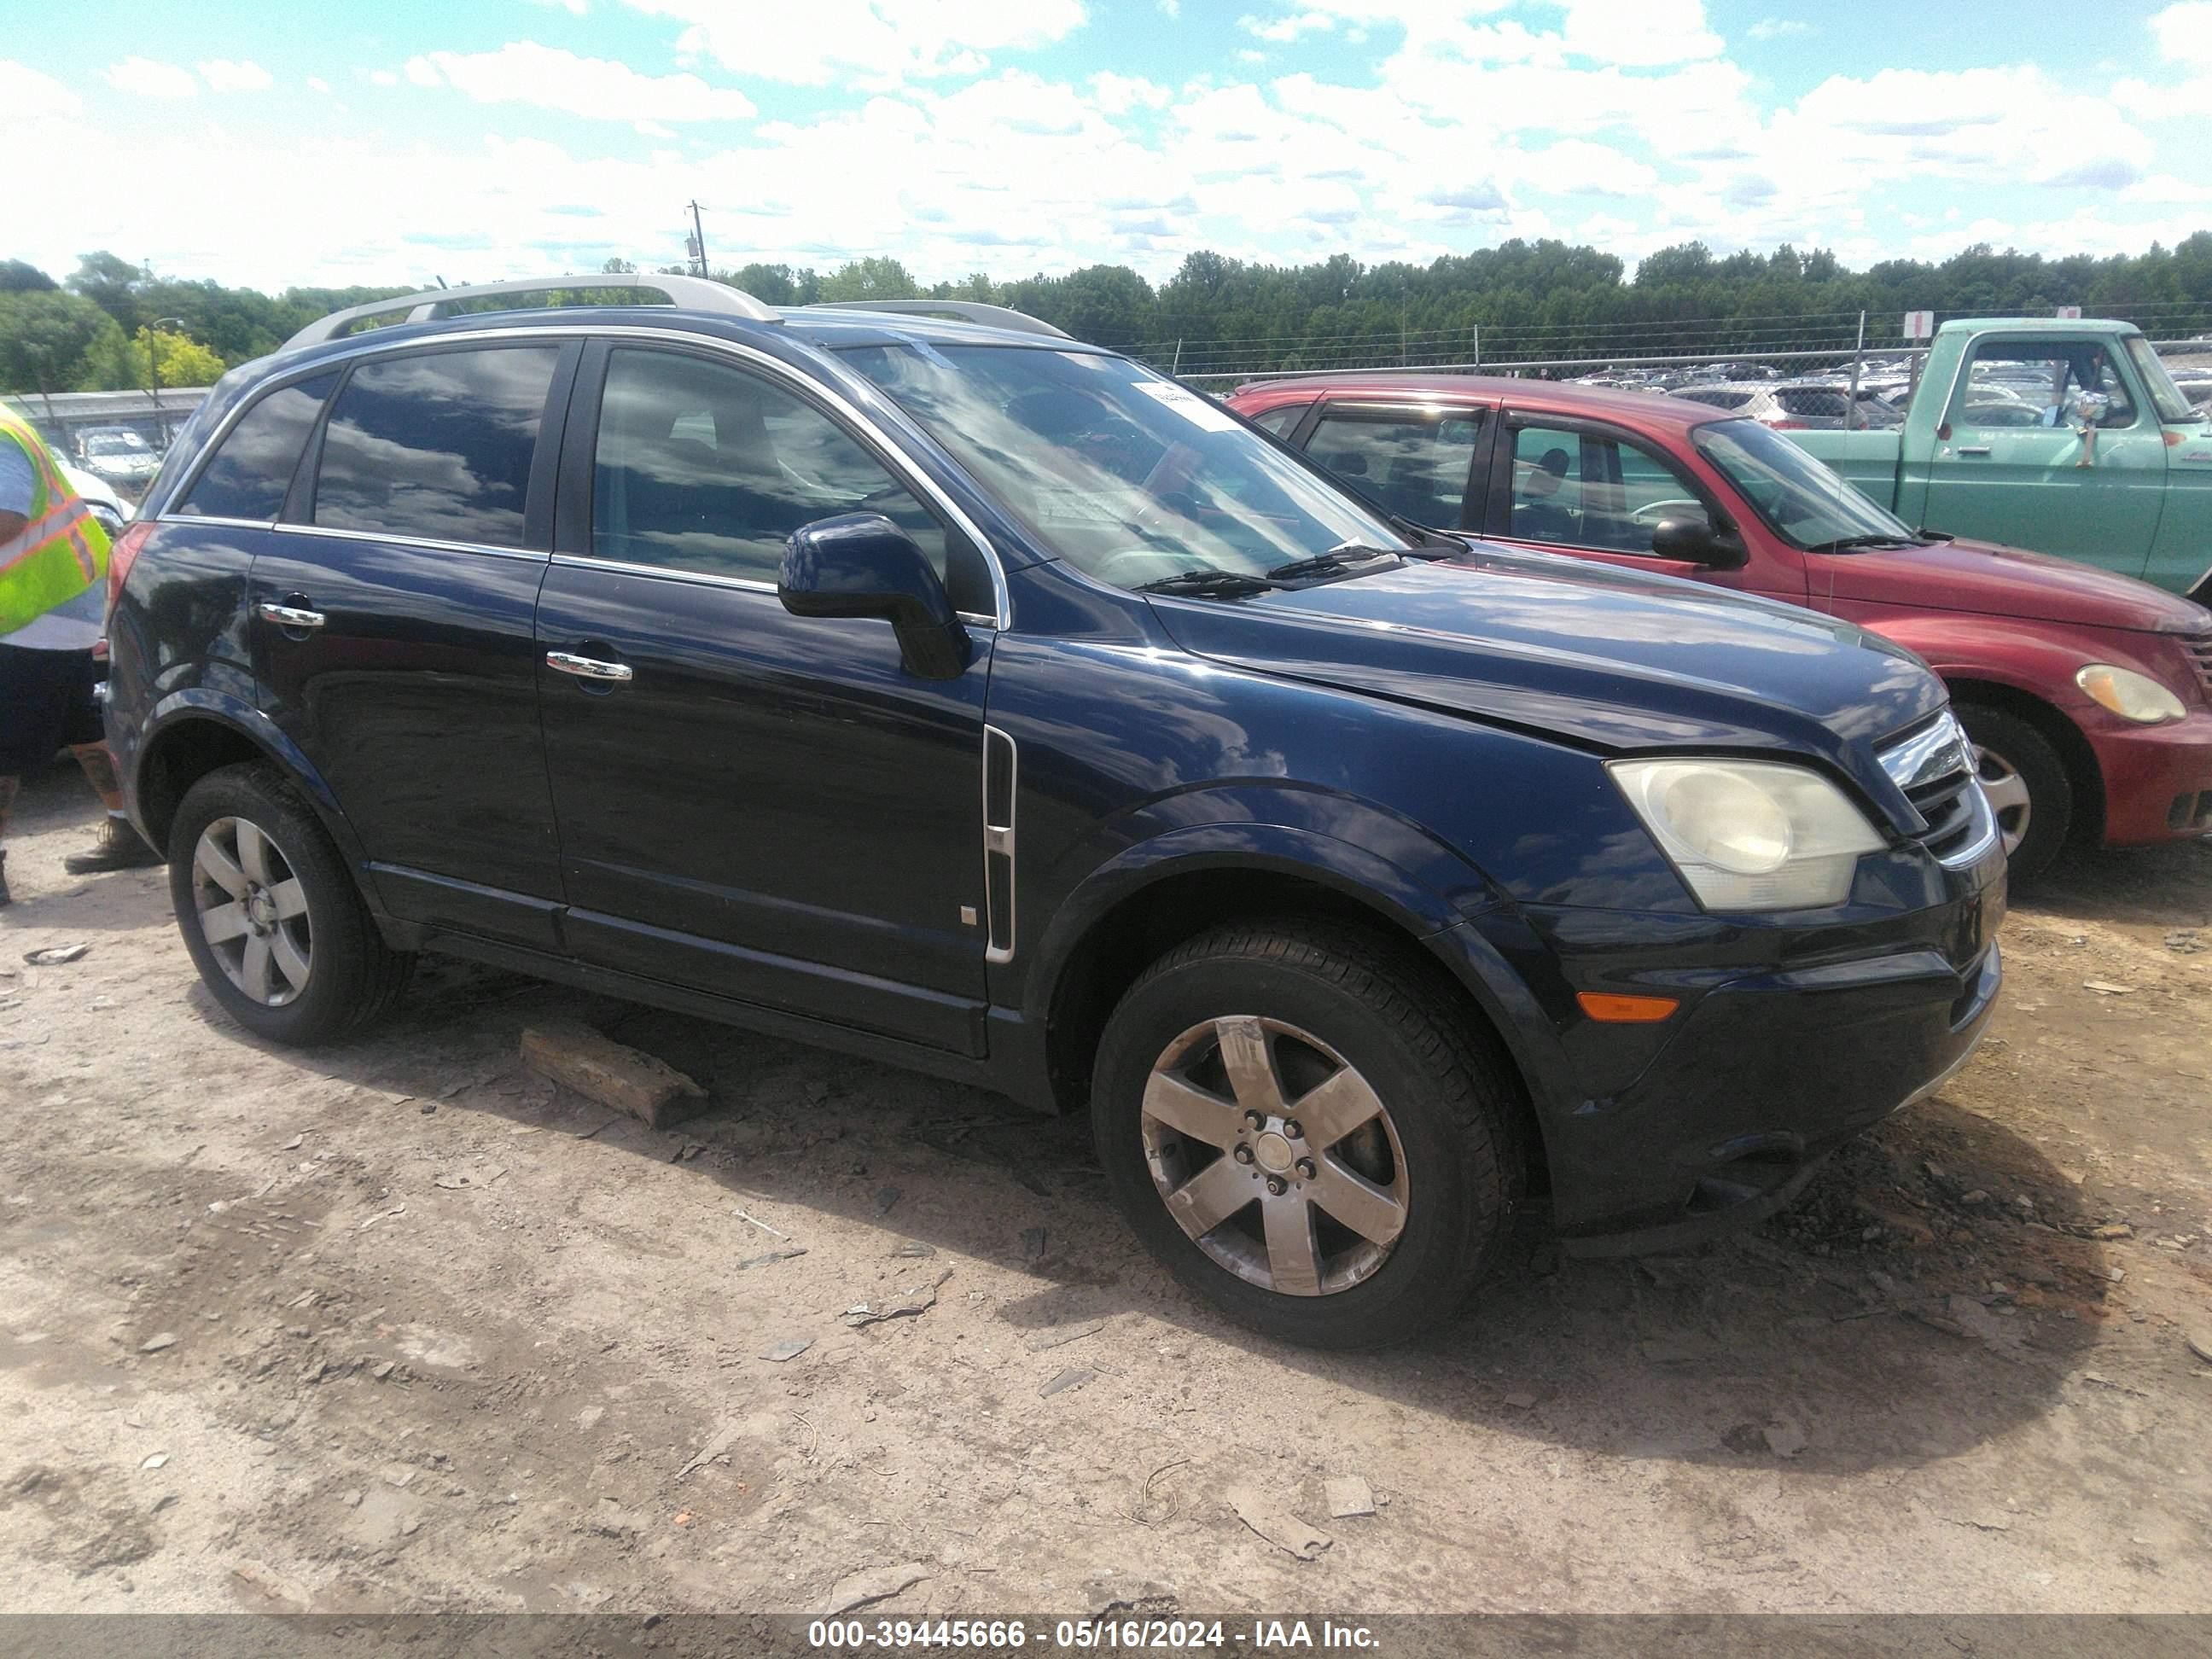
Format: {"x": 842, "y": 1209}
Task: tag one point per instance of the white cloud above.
{"x": 1777, "y": 29}
{"x": 235, "y": 75}
{"x": 885, "y": 42}
{"x": 383, "y": 78}
{"x": 524, "y": 72}
{"x": 316, "y": 83}
{"x": 2183, "y": 34}
{"x": 30, "y": 97}
{"x": 1117, "y": 94}
{"x": 142, "y": 77}
{"x": 1639, "y": 31}
{"x": 1282, "y": 31}
{"x": 1171, "y": 8}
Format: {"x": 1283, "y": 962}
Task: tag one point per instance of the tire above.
{"x": 1319, "y": 1001}
{"x": 2028, "y": 785}
{"x": 293, "y": 955}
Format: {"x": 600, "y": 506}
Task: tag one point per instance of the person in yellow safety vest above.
{"x": 53, "y": 591}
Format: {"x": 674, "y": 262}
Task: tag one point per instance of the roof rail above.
{"x": 693, "y": 293}
{"x": 971, "y": 311}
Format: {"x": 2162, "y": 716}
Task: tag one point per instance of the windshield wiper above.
{"x": 1845, "y": 544}
{"x": 1348, "y": 560}
{"x": 1207, "y": 584}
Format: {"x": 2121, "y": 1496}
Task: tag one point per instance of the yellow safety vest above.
{"x": 60, "y": 552}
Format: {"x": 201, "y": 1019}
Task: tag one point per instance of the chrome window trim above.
{"x": 370, "y": 346}
{"x": 209, "y": 518}
{"x": 429, "y": 543}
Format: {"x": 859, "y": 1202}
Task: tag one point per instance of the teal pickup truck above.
{"x": 2067, "y": 438}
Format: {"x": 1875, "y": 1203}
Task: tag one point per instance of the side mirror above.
{"x": 861, "y": 564}
{"x": 1693, "y": 541}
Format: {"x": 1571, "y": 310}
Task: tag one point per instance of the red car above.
{"x": 2089, "y": 694}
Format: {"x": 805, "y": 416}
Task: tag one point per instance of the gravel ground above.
{"x": 403, "y": 1326}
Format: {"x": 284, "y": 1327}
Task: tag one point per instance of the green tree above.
{"x": 44, "y": 336}
{"x": 111, "y": 284}
{"x": 16, "y": 276}
{"x": 617, "y": 267}
{"x": 117, "y": 362}
{"x": 873, "y": 278}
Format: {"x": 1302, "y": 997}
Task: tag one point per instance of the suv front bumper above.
{"x": 1673, "y": 1133}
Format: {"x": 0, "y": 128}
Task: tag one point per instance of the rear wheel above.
{"x": 270, "y": 915}
{"x": 1298, "y": 1123}
{"x": 2028, "y": 785}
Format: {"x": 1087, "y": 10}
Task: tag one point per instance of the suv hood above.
{"x": 1611, "y": 659}
{"x": 1989, "y": 580}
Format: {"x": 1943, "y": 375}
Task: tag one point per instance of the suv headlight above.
{"x": 1750, "y": 835}
{"x": 2131, "y": 695}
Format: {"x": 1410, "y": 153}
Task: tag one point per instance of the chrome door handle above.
{"x": 586, "y": 668}
{"x": 1973, "y": 449}
{"x": 289, "y": 616}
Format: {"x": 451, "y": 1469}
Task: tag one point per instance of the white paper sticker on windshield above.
{"x": 1188, "y": 405}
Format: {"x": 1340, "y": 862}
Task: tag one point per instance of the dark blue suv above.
{"x": 938, "y": 687}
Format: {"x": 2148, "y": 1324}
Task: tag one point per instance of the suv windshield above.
{"x": 2166, "y": 397}
{"x": 114, "y": 443}
{"x": 1801, "y": 500}
{"x": 1126, "y": 475}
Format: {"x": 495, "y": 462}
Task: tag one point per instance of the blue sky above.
{"x": 370, "y": 140}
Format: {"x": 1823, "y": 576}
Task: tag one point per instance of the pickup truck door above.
{"x": 2008, "y": 465}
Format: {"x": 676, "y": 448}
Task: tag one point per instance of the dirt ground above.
{"x": 403, "y": 1326}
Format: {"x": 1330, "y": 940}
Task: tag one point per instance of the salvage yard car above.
{"x": 2089, "y": 695}
{"x": 944, "y": 689}
{"x": 2065, "y": 437}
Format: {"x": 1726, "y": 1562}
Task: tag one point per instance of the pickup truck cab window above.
{"x": 705, "y": 467}
{"x": 2013, "y": 382}
{"x": 1127, "y": 475}
{"x": 1412, "y": 462}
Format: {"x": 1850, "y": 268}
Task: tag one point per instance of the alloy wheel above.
{"x": 1275, "y": 1155}
{"x": 2007, "y": 796}
{"x": 252, "y": 911}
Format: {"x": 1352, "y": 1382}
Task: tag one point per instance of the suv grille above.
{"x": 1934, "y": 767}
{"x": 2197, "y": 648}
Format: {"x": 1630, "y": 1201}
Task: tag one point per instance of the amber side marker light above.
{"x": 1626, "y": 1011}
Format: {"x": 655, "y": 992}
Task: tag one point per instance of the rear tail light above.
{"x": 1785, "y": 423}
{"x": 122, "y": 556}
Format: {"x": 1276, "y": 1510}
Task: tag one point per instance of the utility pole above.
{"x": 1852, "y": 418}
{"x": 698, "y": 240}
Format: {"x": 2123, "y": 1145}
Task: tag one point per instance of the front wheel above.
{"x": 271, "y": 916}
{"x": 1302, "y": 1128}
{"x": 2026, "y": 784}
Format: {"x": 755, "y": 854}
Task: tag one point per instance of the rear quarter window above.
{"x": 436, "y": 445}
{"x": 251, "y": 469}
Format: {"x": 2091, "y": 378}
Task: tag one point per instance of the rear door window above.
{"x": 436, "y": 445}
{"x": 1412, "y": 462}
{"x": 1281, "y": 419}
{"x": 251, "y": 468}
